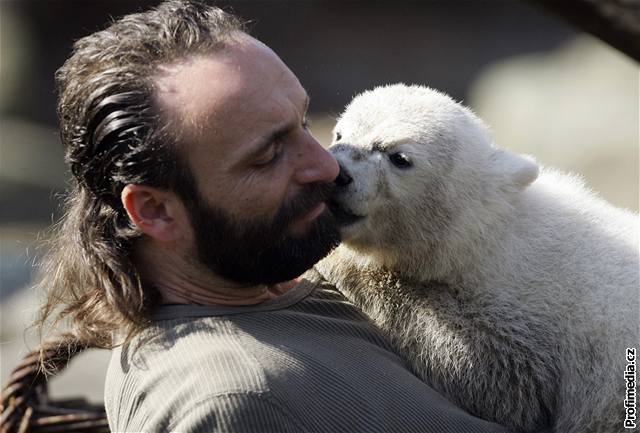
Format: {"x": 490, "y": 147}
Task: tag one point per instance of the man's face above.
{"x": 262, "y": 179}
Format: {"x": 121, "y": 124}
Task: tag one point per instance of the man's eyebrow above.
{"x": 264, "y": 143}
{"x": 276, "y": 134}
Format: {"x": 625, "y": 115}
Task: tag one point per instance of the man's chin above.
{"x": 300, "y": 254}
{"x": 256, "y": 252}
{"x": 275, "y": 266}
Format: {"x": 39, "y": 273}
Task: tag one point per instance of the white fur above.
{"x": 512, "y": 290}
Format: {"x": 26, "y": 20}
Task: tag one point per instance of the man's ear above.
{"x": 157, "y": 213}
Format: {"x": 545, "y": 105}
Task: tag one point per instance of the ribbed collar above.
{"x": 296, "y": 294}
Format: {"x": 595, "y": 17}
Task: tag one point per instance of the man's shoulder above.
{"x": 190, "y": 358}
{"x": 201, "y": 352}
{"x": 176, "y": 366}
{"x": 315, "y": 366}
{"x": 244, "y": 352}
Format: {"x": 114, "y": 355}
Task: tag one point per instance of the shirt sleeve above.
{"x": 238, "y": 413}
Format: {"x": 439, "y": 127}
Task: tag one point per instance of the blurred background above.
{"x": 545, "y": 89}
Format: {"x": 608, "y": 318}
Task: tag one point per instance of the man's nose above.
{"x": 318, "y": 165}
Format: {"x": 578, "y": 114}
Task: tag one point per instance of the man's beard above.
{"x": 258, "y": 251}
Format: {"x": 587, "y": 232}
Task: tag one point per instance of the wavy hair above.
{"x": 113, "y": 135}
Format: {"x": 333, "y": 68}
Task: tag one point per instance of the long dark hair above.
{"x": 114, "y": 134}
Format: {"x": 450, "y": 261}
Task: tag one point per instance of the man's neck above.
{"x": 180, "y": 294}
{"x": 180, "y": 280}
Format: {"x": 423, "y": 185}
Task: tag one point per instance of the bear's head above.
{"x": 420, "y": 176}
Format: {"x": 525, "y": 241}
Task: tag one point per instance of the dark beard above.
{"x": 263, "y": 252}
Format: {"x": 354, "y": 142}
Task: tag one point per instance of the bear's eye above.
{"x": 400, "y": 160}
{"x": 338, "y": 136}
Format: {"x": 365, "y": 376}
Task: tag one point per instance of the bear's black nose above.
{"x": 343, "y": 178}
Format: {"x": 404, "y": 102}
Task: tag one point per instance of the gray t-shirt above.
{"x": 308, "y": 361}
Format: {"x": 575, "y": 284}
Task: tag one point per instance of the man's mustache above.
{"x": 305, "y": 201}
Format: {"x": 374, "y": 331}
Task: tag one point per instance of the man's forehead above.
{"x": 207, "y": 86}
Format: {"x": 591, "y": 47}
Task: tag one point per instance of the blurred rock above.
{"x": 322, "y": 128}
{"x": 31, "y": 154}
{"x": 15, "y": 47}
{"x": 32, "y": 171}
{"x": 575, "y": 108}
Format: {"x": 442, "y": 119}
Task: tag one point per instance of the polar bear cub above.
{"x": 512, "y": 290}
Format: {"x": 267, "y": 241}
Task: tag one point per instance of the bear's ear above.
{"x": 520, "y": 170}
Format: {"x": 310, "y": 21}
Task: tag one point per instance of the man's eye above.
{"x": 275, "y": 151}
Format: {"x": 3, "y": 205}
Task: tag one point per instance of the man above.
{"x": 199, "y": 192}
